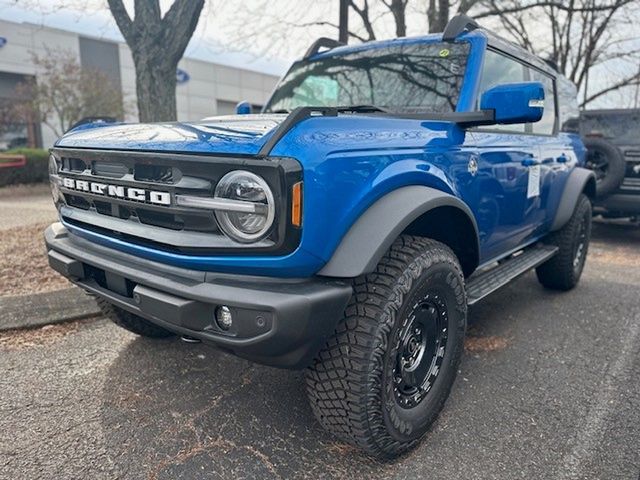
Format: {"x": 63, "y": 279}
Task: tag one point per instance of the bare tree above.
{"x": 157, "y": 44}
{"x": 440, "y": 12}
{"x": 272, "y": 21}
{"x": 65, "y": 93}
{"x": 579, "y": 36}
{"x": 436, "y": 15}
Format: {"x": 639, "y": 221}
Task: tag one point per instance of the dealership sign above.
{"x": 182, "y": 76}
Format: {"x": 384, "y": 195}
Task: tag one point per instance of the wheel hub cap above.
{"x": 578, "y": 256}
{"x": 420, "y": 350}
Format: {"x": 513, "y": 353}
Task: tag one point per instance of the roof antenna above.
{"x": 457, "y": 26}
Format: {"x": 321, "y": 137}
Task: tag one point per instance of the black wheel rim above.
{"x": 598, "y": 162}
{"x": 421, "y": 345}
{"x": 580, "y": 249}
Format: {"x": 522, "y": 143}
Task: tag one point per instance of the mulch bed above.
{"x": 24, "y": 267}
{"x": 14, "y": 191}
{"x": 19, "y": 339}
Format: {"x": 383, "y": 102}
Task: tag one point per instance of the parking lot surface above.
{"x": 549, "y": 387}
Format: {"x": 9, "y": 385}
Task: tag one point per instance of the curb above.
{"x": 30, "y": 311}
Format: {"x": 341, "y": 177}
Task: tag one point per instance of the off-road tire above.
{"x": 563, "y": 271}
{"x": 351, "y": 382}
{"x": 131, "y": 322}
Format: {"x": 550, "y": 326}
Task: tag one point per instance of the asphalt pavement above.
{"x": 549, "y": 388}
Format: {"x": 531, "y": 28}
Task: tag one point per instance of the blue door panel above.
{"x": 498, "y": 194}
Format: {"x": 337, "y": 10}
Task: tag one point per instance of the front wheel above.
{"x": 563, "y": 271}
{"x": 384, "y": 375}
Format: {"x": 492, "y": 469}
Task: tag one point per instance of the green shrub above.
{"x": 36, "y": 169}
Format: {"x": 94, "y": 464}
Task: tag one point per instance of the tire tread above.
{"x": 344, "y": 382}
{"x": 558, "y": 273}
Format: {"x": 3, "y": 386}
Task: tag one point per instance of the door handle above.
{"x": 530, "y": 161}
{"x": 562, "y": 159}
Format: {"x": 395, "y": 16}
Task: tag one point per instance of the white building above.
{"x": 204, "y": 88}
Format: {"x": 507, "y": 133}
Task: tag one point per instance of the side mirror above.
{"x": 243, "y": 108}
{"x": 514, "y": 102}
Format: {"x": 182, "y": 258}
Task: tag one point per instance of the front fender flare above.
{"x": 373, "y": 233}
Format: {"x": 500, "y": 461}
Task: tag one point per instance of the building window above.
{"x": 16, "y": 130}
{"x": 225, "y": 107}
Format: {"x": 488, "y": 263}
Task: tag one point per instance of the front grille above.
{"x": 174, "y": 219}
{"x": 631, "y": 181}
{"x": 143, "y": 221}
{"x": 154, "y": 173}
{"x": 632, "y": 169}
{"x": 77, "y": 201}
{"x": 109, "y": 170}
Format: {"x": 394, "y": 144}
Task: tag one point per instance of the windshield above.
{"x": 399, "y": 78}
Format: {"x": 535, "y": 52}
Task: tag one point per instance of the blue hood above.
{"x": 233, "y": 134}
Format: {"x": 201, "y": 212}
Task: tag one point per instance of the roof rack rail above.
{"x": 322, "y": 42}
{"x": 552, "y": 63}
{"x": 457, "y": 26}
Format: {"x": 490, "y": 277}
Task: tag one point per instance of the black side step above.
{"x": 481, "y": 284}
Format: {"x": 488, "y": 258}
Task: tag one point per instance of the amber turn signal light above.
{"x": 296, "y": 204}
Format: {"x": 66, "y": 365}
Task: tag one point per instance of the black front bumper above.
{"x": 279, "y": 322}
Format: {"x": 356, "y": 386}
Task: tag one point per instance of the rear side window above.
{"x": 546, "y": 125}
{"x": 568, "y": 112}
{"x": 498, "y": 69}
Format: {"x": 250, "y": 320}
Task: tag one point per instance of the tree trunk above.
{"x": 398, "y": 9}
{"x": 343, "y": 24}
{"x": 155, "y": 88}
{"x": 438, "y": 15}
{"x": 157, "y": 44}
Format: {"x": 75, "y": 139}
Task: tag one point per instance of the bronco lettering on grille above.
{"x": 118, "y": 191}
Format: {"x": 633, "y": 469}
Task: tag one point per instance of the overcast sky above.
{"x": 262, "y": 35}
{"x": 211, "y": 40}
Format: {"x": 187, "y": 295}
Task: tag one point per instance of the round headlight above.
{"x": 244, "y": 186}
{"x": 53, "y": 165}
{"x": 53, "y": 179}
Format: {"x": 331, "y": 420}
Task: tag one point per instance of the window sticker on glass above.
{"x": 533, "y": 187}
{"x": 318, "y": 90}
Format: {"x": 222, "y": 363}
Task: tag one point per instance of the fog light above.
{"x": 223, "y": 317}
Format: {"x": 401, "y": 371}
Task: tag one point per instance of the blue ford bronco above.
{"x": 346, "y": 228}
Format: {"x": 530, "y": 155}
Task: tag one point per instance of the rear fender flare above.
{"x": 581, "y": 180}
